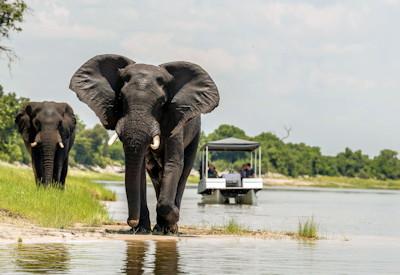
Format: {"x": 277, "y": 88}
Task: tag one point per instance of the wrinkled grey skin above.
{"x": 44, "y": 126}
{"x": 142, "y": 101}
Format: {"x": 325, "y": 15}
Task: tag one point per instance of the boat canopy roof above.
{"x": 232, "y": 144}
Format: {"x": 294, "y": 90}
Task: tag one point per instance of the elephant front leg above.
{"x": 144, "y": 226}
{"x": 167, "y": 211}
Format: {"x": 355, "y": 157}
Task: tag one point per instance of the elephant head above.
{"x": 144, "y": 104}
{"x": 48, "y": 131}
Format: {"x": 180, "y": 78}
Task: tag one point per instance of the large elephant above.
{"x": 155, "y": 111}
{"x": 48, "y": 131}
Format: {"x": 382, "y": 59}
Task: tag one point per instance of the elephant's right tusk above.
{"x": 112, "y": 139}
{"x": 34, "y": 144}
{"x": 156, "y": 142}
{"x": 61, "y": 145}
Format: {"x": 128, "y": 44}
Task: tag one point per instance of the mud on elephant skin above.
{"x": 48, "y": 131}
{"x": 155, "y": 111}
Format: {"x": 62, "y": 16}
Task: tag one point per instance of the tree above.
{"x": 353, "y": 164}
{"x": 225, "y": 159}
{"x": 226, "y": 131}
{"x": 90, "y": 147}
{"x": 387, "y": 165}
{"x": 11, "y": 14}
{"x": 11, "y": 145}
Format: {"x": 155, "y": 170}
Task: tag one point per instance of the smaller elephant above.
{"x": 48, "y": 131}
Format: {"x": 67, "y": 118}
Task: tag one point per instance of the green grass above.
{"x": 357, "y": 183}
{"x": 308, "y": 229}
{"x": 232, "y": 227}
{"x": 52, "y": 207}
{"x": 193, "y": 179}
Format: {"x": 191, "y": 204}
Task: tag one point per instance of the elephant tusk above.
{"x": 156, "y": 142}
{"x": 112, "y": 139}
{"x": 34, "y": 144}
{"x": 61, "y": 145}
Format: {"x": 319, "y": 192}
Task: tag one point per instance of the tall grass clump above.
{"x": 53, "y": 207}
{"x": 308, "y": 229}
{"x": 233, "y": 227}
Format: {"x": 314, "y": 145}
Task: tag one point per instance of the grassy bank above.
{"x": 334, "y": 182}
{"x": 357, "y": 183}
{"x": 78, "y": 203}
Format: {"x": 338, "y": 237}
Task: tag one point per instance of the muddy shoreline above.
{"x": 15, "y": 229}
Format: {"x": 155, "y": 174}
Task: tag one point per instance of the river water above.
{"x": 361, "y": 230}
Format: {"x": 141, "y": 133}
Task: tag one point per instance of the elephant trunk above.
{"x": 48, "y": 163}
{"x": 133, "y": 177}
{"x": 49, "y": 142}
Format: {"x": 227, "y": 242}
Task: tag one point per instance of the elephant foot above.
{"x": 140, "y": 230}
{"x": 141, "y": 226}
{"x": 168, "y": 213}
{"x": 165, "y": 230}
{"x": 132, "y": 222}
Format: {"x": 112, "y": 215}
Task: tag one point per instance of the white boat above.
{"x": 230, "y": 187}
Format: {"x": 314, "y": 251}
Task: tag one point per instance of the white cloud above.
{"x": 302, "y": 15}
{"x": 392, "y": 2}
{"x": 54, "y": 21}
{"x": 165, "y": 47}
{"x": 333, "y": 81}
{"x": 338, "y": 49}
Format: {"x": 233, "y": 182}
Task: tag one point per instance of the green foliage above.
{"x": 233, "y": 227}
{"x": 308, "y": 229}
{"x": 291, "y": 159}
{"x": 354, "y": 183}
{"x": 353, "y": 164}
{"x": 299, "y": 159}
{"x": 11, "y": 145}
{"x": 91, "y": 147}
{"x": 11, "y": 14}
{"x": 387, "y": 165}
{"x": 78, "y": 203}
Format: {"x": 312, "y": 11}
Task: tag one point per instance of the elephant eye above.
{"x": 126, "y": 77}
{"x": 160, "y": 80}
{"x": 37, "y": 124}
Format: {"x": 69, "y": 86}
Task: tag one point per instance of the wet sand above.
{"x": 14, "y": 229}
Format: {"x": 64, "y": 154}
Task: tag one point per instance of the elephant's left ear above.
{"x": 69, "y": 119}
{"x": 192, "y": 92}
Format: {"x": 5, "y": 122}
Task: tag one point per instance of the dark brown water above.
{"x": 362, "y": 230}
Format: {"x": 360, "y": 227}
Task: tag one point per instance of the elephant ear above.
{"x": 98, "y": 84}
{"x": 23, "y": 120}
{"x": 69, "y": 119}
{"x": 191, "y": 91}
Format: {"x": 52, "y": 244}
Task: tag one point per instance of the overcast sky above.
{"x": 328, "y": 69}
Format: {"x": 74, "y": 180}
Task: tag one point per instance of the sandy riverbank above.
{"x": 15, "y": 229}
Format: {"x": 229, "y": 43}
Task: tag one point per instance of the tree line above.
{"x": 290, "y": 159}
{"x": 299, "y": 159}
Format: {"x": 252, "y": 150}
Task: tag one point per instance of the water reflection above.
{"x": 167, "y": 257}
{"x": 42, "y": 258}
{"x": 161, "y": 257}
{"x": 135, "y": 256}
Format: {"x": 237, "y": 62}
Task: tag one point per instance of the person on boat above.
{"x": 249, "y": 171}
{"x": 212, "y": 171}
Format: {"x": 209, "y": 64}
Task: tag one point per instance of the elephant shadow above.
{"x": 144, "y": 257}
{"x": 42, "y": 258}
